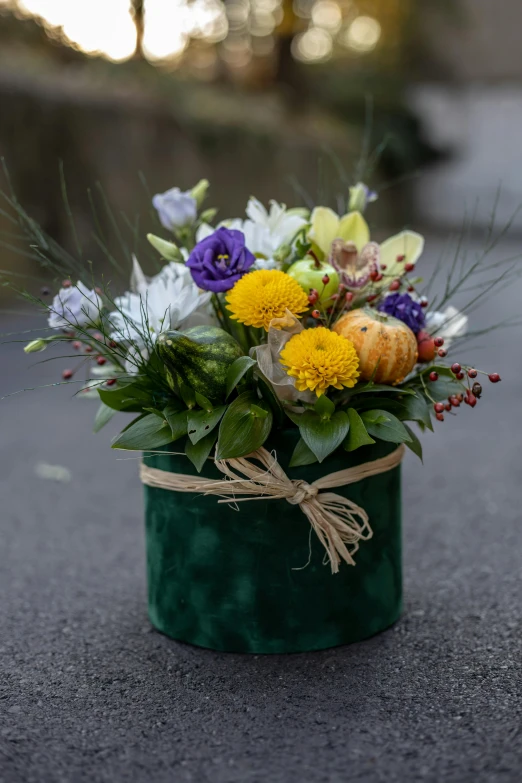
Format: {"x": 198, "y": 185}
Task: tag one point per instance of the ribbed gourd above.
{"x": 381, "y": 342}
{"x": 200, "y": 357}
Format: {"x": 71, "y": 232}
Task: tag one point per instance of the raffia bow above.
{"x": 339, "y": 523}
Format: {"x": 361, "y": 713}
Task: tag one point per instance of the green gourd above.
{"x": 200, "y": 357}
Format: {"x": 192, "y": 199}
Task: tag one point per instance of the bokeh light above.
{"x": 362, "y": 35}
{"x": 80, "y": 21}
{"x": 312, "y": 46}
{"x": 327, "y": 14}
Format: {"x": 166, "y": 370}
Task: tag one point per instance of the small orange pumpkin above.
{"x": 382, "y": 340}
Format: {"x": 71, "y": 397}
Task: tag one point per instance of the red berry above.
{"x": 411, "y": 288}
{"x": 459, "y": 376}
{"x": 472, "y": 373}
{"x": 454, "y": 401}
{"x": 101, "y": 360}
{"x": 433, "y": 376}
{"x": 494, "y": 377}
{"x": 395, "y": 285}
{"x": 312, "y": 299}
{"x": 401, "y": 258}
{"x": 409, "y": 267}
{"x": 439, "y": 407}
{"x": 442, "y": 352}
{"x": 470, "y": 399}
{"x": 456, "y": 368}
{"x": 348, "y": 296}
{"x": 439, "y": 416}
{"x": 439, "y": 341}
{"x": 335, "y": 297}
{"x": 316, "y": 314}
{"x": 76, "y": 345}
{"x": 423, "y": 301}
{"x": 66, "y": 284}
{"x": 374, "y": 275}
{"x": 98, "y": 336}
{"x": 383, "y": 267}
{"x": 111, "y": 381}
{"x": 447, "y": 407}
{"x": 88, "y": 349}
{"x": 112, "y": 344}
{"x": 371, "y": 298}
{"x": 326, "y": 279}
{"x": 477, "y": 390}
{"x": 66, "y": 374}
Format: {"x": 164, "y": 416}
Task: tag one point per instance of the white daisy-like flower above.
{"x": 449, "y": 324}
{"x": 155, "y": 304}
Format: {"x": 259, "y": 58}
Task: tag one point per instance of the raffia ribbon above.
{"x": 339, "y": 523}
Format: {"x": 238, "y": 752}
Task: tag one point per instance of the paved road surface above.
{"x": 89, "y": 692}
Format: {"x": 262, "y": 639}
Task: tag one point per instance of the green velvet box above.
{"x": 255, "y": 579}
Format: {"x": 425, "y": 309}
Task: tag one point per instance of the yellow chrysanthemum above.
{"x": 260, "y": 296}
{"x": 318, "y": 358}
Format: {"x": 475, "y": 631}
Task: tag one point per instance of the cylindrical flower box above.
{"x": 255, "y": 578}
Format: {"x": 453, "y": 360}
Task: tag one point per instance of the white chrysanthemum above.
{"x": 165, "y": 301}
{"x": 449, "y": 324}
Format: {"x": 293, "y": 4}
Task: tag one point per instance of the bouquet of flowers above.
{"x": 262, "y": 347}
{"x": 284, "y": 318}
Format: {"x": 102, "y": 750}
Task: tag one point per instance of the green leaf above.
{"x": 379, "y": 387}
{"x": 270, "y": 397}
{"x": 146, "y": 433}
{"x": 236, "y": 371}
{"x": 415, "y": 445}
{"x": 443, "y": 388}
{"x": 368, "y": 403}
{"x": 257, "y": 411}
{"x": 302, "y": 455}
{"x": 416, "y": 409}
{"x": 241, "y": 431}
{"x": 201, "y": 423}
{"x": 125, "y": 397}
{"x": 324, "y": 407}
{"x": 187, "y": 394}
{"x": 203, "y": 402}
{"x": 103, "y": 415}
{"x": 357, "y": 435}
{"x": 323, "y": 436}
{"x": 385, "y": 426}
{"x": 177, "y": 420}
{"x": 198, "y": 453}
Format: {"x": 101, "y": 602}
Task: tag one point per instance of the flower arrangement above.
{"x": 284, "y": 318}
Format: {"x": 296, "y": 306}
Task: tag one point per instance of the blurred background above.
{"x": 287, "y": 99}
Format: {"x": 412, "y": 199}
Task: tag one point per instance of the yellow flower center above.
{"x": 318, "y": 358}
{"x": 260, "y": 296}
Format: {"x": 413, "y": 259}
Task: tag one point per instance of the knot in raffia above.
{"x": 339, "y": 523}
{"x": 303, "y": 491}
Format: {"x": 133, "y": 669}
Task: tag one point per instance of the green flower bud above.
{"x": 35, "y": 345}
{"x": 282, "y": 253}
{"x": 208, "y": 215}
{"x": 199, "y": 191}
{"x": 168, "y": 250}
{"x": 360, "y": 197}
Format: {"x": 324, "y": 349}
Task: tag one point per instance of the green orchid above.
{"x": 398, "y": 250}
{"x": 326, "y": 226}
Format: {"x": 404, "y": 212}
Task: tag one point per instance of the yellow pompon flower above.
{"x": 265, "y": 294}
{"x": 318, "y": 358}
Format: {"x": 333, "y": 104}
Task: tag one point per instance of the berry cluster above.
{"x": 471, "y": 393}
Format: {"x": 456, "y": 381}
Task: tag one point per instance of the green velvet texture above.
{"x": 234, "y": 580}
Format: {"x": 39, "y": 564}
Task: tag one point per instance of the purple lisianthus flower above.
{"x": 219, "y": 260}
{"x": 406, "y": 309}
